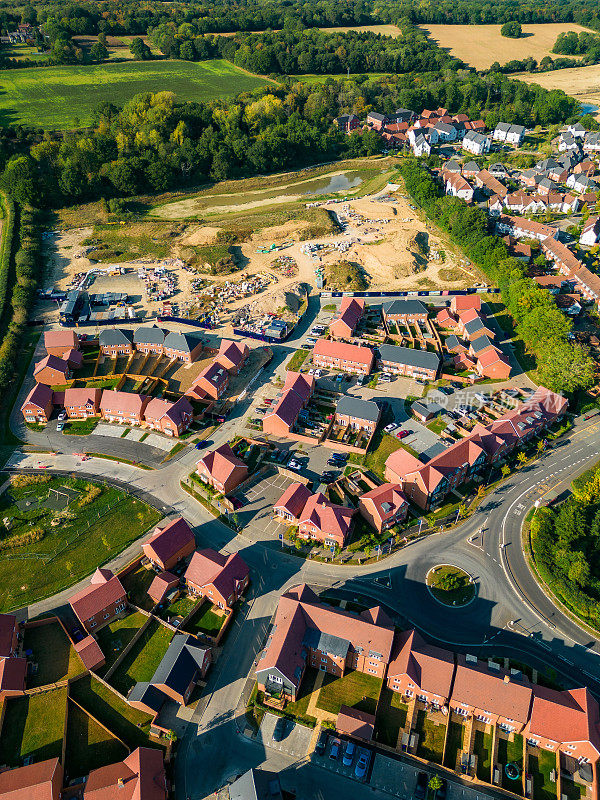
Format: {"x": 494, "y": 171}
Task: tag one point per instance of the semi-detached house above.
{"x": 123, "y": 407}
{"x": 38, "y": 405}
{"x": 222, "y": 579}
{"x": 357, "y": 414}
{"x": 345, "y": 321}
{"x": 316, "y": 517}
{"x": 170, "y": 544}
{"x": 222, "y": 469}
{"x": 404, "y": 311}
{"x": 283, "y": 415}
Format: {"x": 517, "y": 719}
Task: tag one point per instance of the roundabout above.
{"x": 451, "y": 586}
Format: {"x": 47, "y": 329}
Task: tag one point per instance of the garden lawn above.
{"x": 53, "y": 653}
{"x": 541, "y": 765}
{"x": 72, "y": 550}
{"x": 33, "y": 727}
{"x": 89, "y": 746}
{"x": 431, "y": 738}
{"x": 454, "y": 743}
{"x": 510, "y": 753}
{"x": 482, "y": 748}
{"x": 126, "y": 722}
{"x": 81, "y": 427}
{"x": 115, "y": 637}
{"x": 383, "y": 445}
{"x": 205, "y": 620}
{"x": 391, "y": 717}
{"x": 355, "y": 689}
{"x": 180, "y": 608}
{"x": 298, "y": 709}
{"x": 65, "y": 97}
{"x": 137, "y": 584}
{"x": 143, "y": 658}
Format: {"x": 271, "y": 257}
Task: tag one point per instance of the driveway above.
{"x": 259, "y": 497}
{"x": 296, "y": 738}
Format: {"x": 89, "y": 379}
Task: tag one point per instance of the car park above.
{"x": 279, "y": 729}
{"x": 362, "y": 765}
{"x": 421, "y": 787}
{"x": 321, "y": 743}
{"x": 334, "y": 749}
{"x": 348, "y": 754}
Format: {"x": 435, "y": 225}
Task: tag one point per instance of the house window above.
{"x": 275, "y": 679}
{"x": 92, "y": 624}
{"x": 372, "y": 671}
{"x": 409, "y": 692}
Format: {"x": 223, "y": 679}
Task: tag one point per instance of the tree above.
{"x": 521, "y": 459}
{"x": 98, "y": 52}
{"x": 512, "y": 30}
{"x": 140, "y": 50}
{"x": 435, "y": 783}
{"x": 505, "y": 470}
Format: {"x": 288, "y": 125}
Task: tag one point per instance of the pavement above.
{"x": 511, "y": 616}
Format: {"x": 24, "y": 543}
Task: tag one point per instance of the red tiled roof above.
{"x": 493, "y": 691}
{"x": 161, "y": 585}
{"x": 168, "y": 541}
{"x": 141, "y": 776}
{"x": 232, "y": 353}
{"x": 565, "y": 717}
{"x": 33, "y": 782}
{"x": 343, "y": 351}
{"x": 389, "y": 494}
{"x": 39, "y": 396}
{"x": 491, "y": 356}
{"x": 89, "y": 652}
{"x": 80, "y": 397}
{"x": 97, "y": 597}
{"x": 462, "y": 302}
{"x": 8, "y": 624}
{"x": 223, "y": 572}
{"x": 327, "y": 517}
{"x": 401, "y": 462}
{"x": 221, "y": 463}
{"x": 468, "y": 315}
{"x": 561, "y": 253}
{"x": 287, "y": 408}
{"x": 158, "y": 408}
{"x": 215, "y": 373}
{"x": 302, "y": 384}
{"x": 355, "y": 723}
{"x": 122, "y": 402}
{"x": 54, "y": 362}
{"x": 12, "y": 674}
{"x": 431, "y": 668}
{"x": 294, "y": 499}
{"x": 351, "y": 310}
{"x": 61, "y": 338}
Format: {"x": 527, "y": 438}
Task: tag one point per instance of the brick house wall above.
{"x": 105, "y": 616}
{"x": 346, "y": 366}
{"x": 52, "y": 377}
{"x": 180, "y": 355}
{"x": 33, "y": 413}
{"x": 405, "y": 686}
{"x": 355, "y": 422}
{"x": 82, "y": 411}
{"x": 405, "y": 369}
{"x": 113, "y": 350}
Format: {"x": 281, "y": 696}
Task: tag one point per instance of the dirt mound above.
{"x": 289, "y": 299}
{"x": 287, "y": 231}
{"x": 202, "y": 235}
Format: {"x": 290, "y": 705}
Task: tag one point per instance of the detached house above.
{"x": 13, "y": 668}
{"x": 309, "y": 633}
{"x": 59, "y": 342}
{"x": 357, "y": 414}
{"x": 116, "y": 342}
{"x": 283, "y": 414}
{"x": 222, "y": 469}
{"x": 493, "y": 364}
{"x": 458, "y": 186}
{"x": 384, "y": 506}
{"x": 476, "y": 143}
{"x": 347, "y": 122}
{"x": 316, "y": 517}
{"x": 169, "y": 545}
{"x": 38, "y": 405}
{"x": 345, "y": 321}
{"x": 102, "y": 601}
{"x": 591, "y": 232}
{"x": 140, "y": 776}
{"x": 213, "y": 380}
{"x": 232, "y": 355}
{"x": 222, "y": 579}
{"x": 43, "y": 780}
{"x": 404, "y": 311}
{"x": 52, "y": 371}
{"x": 376, "y": 120}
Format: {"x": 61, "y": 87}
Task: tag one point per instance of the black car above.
{"x": 421, "y": 787}
{"x": 279, "y": 730}
{"x": 440, "y": 794}
{"x": 456, "y": 385}
{"x": 321, "y": 744}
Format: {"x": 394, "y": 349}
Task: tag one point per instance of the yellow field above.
{"x": 481, "y": 45}
{"x": 580, "y": 82}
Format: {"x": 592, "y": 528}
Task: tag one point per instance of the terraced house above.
{"x": 408, "y": 361}
{"x": 344, "y": 357}
{"x": 116, "y": 342}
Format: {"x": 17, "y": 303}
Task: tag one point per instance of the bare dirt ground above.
{"x": 580, "y": 82}
{"x": 482, "y": 45}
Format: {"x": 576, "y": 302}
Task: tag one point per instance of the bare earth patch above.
{"x": 203, "y": 235}
{"x": 482, "y": 45}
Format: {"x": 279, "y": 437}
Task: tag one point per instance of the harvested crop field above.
{"x": 482, "y": 45}
{"x": 580, "y": 82}
{"x": 65, "y": 97}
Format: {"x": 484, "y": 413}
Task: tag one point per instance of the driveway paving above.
{"x": 296, "y": 738}
{"x": 154, "y": 440}
{"x": 106, "y": 429}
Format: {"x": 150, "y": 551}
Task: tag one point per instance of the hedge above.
{"x": 8, "y": 208}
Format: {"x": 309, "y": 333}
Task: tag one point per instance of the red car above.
{"x": 401, "y": 434}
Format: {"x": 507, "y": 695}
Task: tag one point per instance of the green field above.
{"x": 65, "y": 97}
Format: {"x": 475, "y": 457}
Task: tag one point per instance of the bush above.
{"x": 512, "y": 30}
{"x": 19, "y": 481}
{"x": 92, "y": 494}
{"x": 34, "y": 535}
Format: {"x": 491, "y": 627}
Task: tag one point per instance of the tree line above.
{"x": 562, "y": 365}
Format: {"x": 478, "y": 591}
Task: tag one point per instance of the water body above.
{"x": 335, "y": 183}
{"x": 588, "y": 108}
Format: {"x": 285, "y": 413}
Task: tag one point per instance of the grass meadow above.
{"x": 66, "y": 97}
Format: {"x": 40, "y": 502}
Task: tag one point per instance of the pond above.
{"x": 335, "y": 183}
{"x": 589, "y": 108}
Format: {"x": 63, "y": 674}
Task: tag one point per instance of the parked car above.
{"x": 62, "y": 415}
{"x": 401, "y": 434}
{"x": 391, "y": 427}
{"x": 362, "y": 765}
{"x": 261, "y": 411}
{"x": 348, "y": 754}
{"x": 321, "y": 743}
{"x": 204, "y": 443}
{"x": 60, "y": 426}
{"x": 279, "y": 729}
{"x": 334, "y": 749}
{"x": 294, "y": 465}
{"x": 421, "y": 787}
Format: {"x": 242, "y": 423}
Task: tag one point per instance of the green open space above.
{"x": 454, "y": 743}
{"x": 355, "y": 689}
{"x": 89, "y": 745}
{"x": 82, "y": 427}
{"x": 53, "y": 654}
{"x": 510, "y": 752}
{"x": 437, "y": 426}
{"x": 115, "y": 637}
{"x": 431, "y": 738}
{"x": 482, "y": 748}
{"x": 66, "y": 96}
{"x": 128, "y": 723}
{"x": 136, "y": 584}
{"x": 297, "y": 360}
{"x": 540, "y": 765}
{"x": 382, "y": 446}
{"x": 206, "y": 620}
{"x": 450, "y": 585}
{"x": 33, "y": 727}
{"x": 82, "y": 538}
{"x": 141, "y": 661}
{"x": 391, "y": 717}
{"x": 299, "y": 708}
